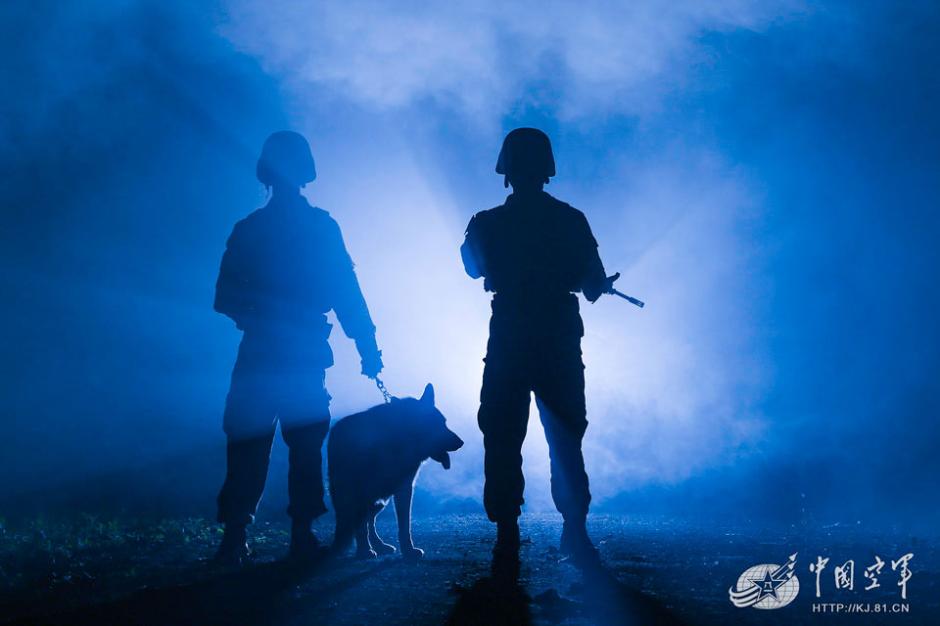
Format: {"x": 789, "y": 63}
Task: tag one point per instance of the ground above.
{"x": 120, "y": 571}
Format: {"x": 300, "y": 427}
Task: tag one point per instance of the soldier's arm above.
{"x": 469, "y": 251}
{"x": 350, "y": 307}
{"x": 232, "y": 288}
{"x": 594, "y": 278}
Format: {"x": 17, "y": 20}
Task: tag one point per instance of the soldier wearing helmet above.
{"x": 533, "y": 252}
{"x": 285, "y": 267}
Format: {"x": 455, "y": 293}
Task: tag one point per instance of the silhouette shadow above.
{"x": 601, "y": 599}
{"x": 496, "y": 599}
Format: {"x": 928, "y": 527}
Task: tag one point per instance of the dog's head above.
{"x": 435, "y": 438}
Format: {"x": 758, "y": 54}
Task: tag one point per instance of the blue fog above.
{"x": 764, "y": 175}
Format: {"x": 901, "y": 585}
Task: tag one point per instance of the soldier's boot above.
{"x": 577, "y": 545}
{"x": 304, "y": 545}
{"x": 233, "y": 550}
{"x": 507, "y": 538}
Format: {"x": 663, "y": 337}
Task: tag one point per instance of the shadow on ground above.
{"x": 501, "y": 598}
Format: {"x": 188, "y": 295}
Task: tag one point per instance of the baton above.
{"x": 629, "y": 299}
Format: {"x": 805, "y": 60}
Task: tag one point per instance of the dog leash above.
{"x": 385, "y": 394}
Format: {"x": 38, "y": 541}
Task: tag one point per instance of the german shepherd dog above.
{"x": 375, "y": 455}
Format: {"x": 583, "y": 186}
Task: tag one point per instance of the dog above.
{"x": 375, "y": 455}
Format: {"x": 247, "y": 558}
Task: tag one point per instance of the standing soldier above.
{"x": 285, "y": 267}
{"x": 533, "y": 252}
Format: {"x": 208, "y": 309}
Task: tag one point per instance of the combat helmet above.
{"x": 526, "y": 152}
{"x": 286, "y": 157}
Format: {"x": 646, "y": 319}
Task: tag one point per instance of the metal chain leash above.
{"x": 385, "y": 394}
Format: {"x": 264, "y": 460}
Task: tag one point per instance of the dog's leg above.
{"x": 403, "y": 513}
{"x": 377, "y": 544}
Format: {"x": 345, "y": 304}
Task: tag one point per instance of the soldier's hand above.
{"x": 371, "y": 356}
{"x": 610, "y": 282}
{"x": 372, "y": 364}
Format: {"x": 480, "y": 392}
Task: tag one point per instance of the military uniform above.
{"x": 284, "y": 268}
{"x": 533, "y": 252}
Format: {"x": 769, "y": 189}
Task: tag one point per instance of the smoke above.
{"x": 752, "y": 185}
{"x": 670, "y": 389}
{"x": 483, "y": 59}
{"x": 689, "y": 174}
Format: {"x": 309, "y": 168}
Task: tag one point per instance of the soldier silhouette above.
{"x": 285, "y": 267}
{"x": 533, "y": 252}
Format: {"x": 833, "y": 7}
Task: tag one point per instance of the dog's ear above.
{"x": 428, "y": 396}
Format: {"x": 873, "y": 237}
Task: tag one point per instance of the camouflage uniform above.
{"x": 285, "y": 266}
{"x": 533, "y": 252}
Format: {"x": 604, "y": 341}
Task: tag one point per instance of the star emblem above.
{"x": 767, "y": 585}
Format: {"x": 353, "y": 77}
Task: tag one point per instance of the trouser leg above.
{"x": 503, "y": 417}
{"x": 305, "y": 473}
{"x": 560, "y": 399}
{"x": 305, "y": 421}
{"x": 247, "y": 469}
{"x": 249, "y": 424}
